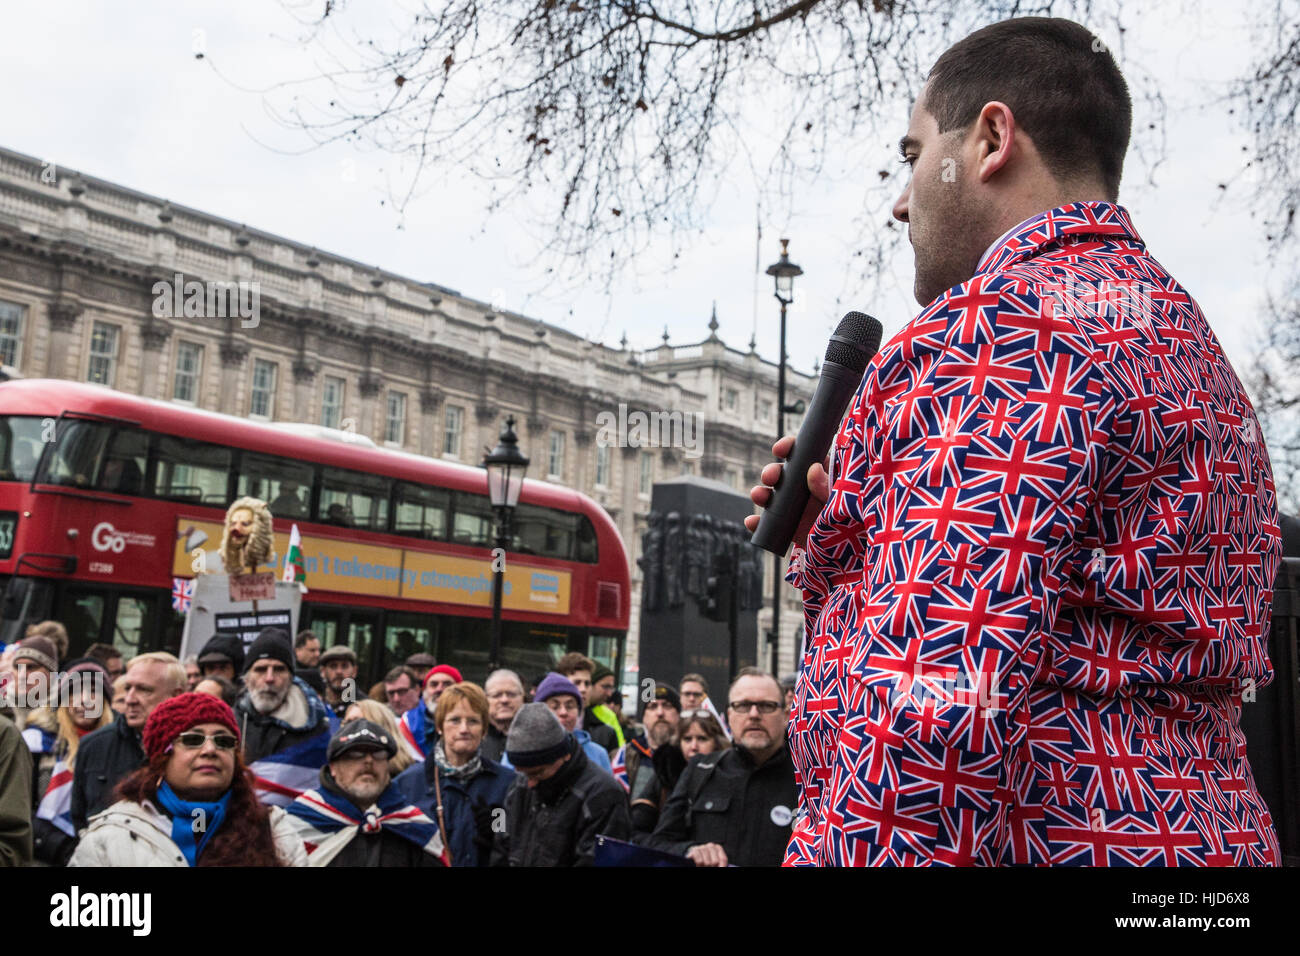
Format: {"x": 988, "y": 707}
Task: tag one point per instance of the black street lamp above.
{"x": 505, "y": 466}
{"x": 784, "y": 272}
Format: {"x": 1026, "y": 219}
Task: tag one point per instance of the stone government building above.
{"x": 413, "y": 365}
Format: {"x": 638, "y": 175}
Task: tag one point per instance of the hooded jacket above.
{"x": 105, "y": 756}
{"x": 556, "y": 823}
{"x": 139, "y": 834}
{"x": 466, "y": 805}
{"x": 286, "y": 748}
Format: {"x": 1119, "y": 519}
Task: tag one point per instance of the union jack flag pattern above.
{"x": 182, "y": 594}
{"x": 1041, "y": 584}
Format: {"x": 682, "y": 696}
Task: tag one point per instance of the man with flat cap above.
{"x": 338, "y": 669}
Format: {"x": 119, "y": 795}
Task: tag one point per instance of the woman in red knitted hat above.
{"x": 193, "y": 802}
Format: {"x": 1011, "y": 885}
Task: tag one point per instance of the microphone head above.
{"x": 856, "y": 340}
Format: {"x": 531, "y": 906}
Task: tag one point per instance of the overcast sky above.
{"x": 115, "y": 91}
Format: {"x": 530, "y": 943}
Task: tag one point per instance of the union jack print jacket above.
{"x": 1041, "y": 585}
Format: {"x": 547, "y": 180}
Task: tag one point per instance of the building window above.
{"x": 11, "y": 332}
{"x": 731, "y": 398}
{"x": 602, "y": 466}
{"x": 735, "y": 478}
{"x": 189, "y": 362}
{"x": 331, "y": 406}
{"x": 765, "y": 407}
{"x": 647, "y": 473}
{"x": 395, "y": 431}
{"x": 455, "y": 428}
{"x": 103, "y": 354}
{"x": 262, "y": 404}
{"x": 555, "y": 467}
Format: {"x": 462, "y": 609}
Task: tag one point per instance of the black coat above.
{"x": 600, "y": 731}
{"x": 105, "y": 756}
{"x": 723, "y": 798}
{"x": 557, "y": 822}
{"x": 494, "y": 744}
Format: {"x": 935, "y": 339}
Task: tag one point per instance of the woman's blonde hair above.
{"x": 69, "y": 734}
{"x": 378, "y": 713}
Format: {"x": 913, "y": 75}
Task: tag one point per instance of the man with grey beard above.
{"x": 357, "y": 817}
{"x": 285, "y": 726}
{"x": 650, "y": 763}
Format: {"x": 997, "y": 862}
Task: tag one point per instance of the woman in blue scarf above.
{"x": 193, "y": 802}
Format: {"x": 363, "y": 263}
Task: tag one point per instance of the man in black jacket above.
{"x": 560, "y": 802}
{"x": 110, "y": 753}
{"x": 735, "y": 807}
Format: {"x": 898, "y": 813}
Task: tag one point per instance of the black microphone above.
{"x": 851, "y": 347}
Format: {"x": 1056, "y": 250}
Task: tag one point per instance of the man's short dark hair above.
{"x": 753, "y": 672}
{"x": 1061, "y": 84}
{"x": 401, "y": 670}
{"x": 697, "y": 678}
{"x": 574, "y": 661}
{"x": 303, "y": 637}
{"x": 103, "y": 652}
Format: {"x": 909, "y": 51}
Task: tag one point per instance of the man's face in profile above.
{"x": 939, "y": 205}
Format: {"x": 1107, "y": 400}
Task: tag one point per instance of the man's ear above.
{"x": 995, "y": 139}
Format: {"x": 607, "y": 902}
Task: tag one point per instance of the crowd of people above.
{"x": 269, "y": 755}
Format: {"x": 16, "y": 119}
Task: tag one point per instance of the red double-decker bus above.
{"x": 106, "y": 500}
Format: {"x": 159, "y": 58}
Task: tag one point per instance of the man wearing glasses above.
{"x": 505, "y": 694}
{"x": 356, "y": 816}
{"x": 735, "y": 808}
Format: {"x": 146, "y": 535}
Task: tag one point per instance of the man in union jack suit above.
{"x": 1037, "y": 578}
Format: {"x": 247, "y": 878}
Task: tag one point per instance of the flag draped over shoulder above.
{"x": 413, "y": 726}
{"x": 283, "y": 775}
{"x": 56, "y": 805}
{"x": 325, "y": 818}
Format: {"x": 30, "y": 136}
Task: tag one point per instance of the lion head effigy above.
{"x": 246, "y": 539}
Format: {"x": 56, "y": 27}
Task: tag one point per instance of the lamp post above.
{"x": 784, "y": 272}
{"x": 505, "y": 466}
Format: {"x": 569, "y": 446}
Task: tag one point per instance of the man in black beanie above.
{"x": 560, "y": 802}
{"x": 285, "y": 726}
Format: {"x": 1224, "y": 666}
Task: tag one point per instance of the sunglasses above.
{"x": 193, "y": 740}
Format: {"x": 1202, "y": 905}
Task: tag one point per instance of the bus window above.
{"x": 77, "y": 455}
{"x": 325, "y": 625}
{"x": 131, "y": 623}
{"x": 407, "y": 634}
{"x": 192, "y": 471}
{"x": 545, "y": 531}
{"x": 125, "y": 462}
{"x": 21, "y": 439}
{"x": 82, "y": 613}
{"x": 472, "y": 523}
{"x": 421, "y": 511}
{"x": 361, "y": 638}
{"x": 285, "y": 485}
{"x": 351, "y": 499}
{"x": 585, "y": 546}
